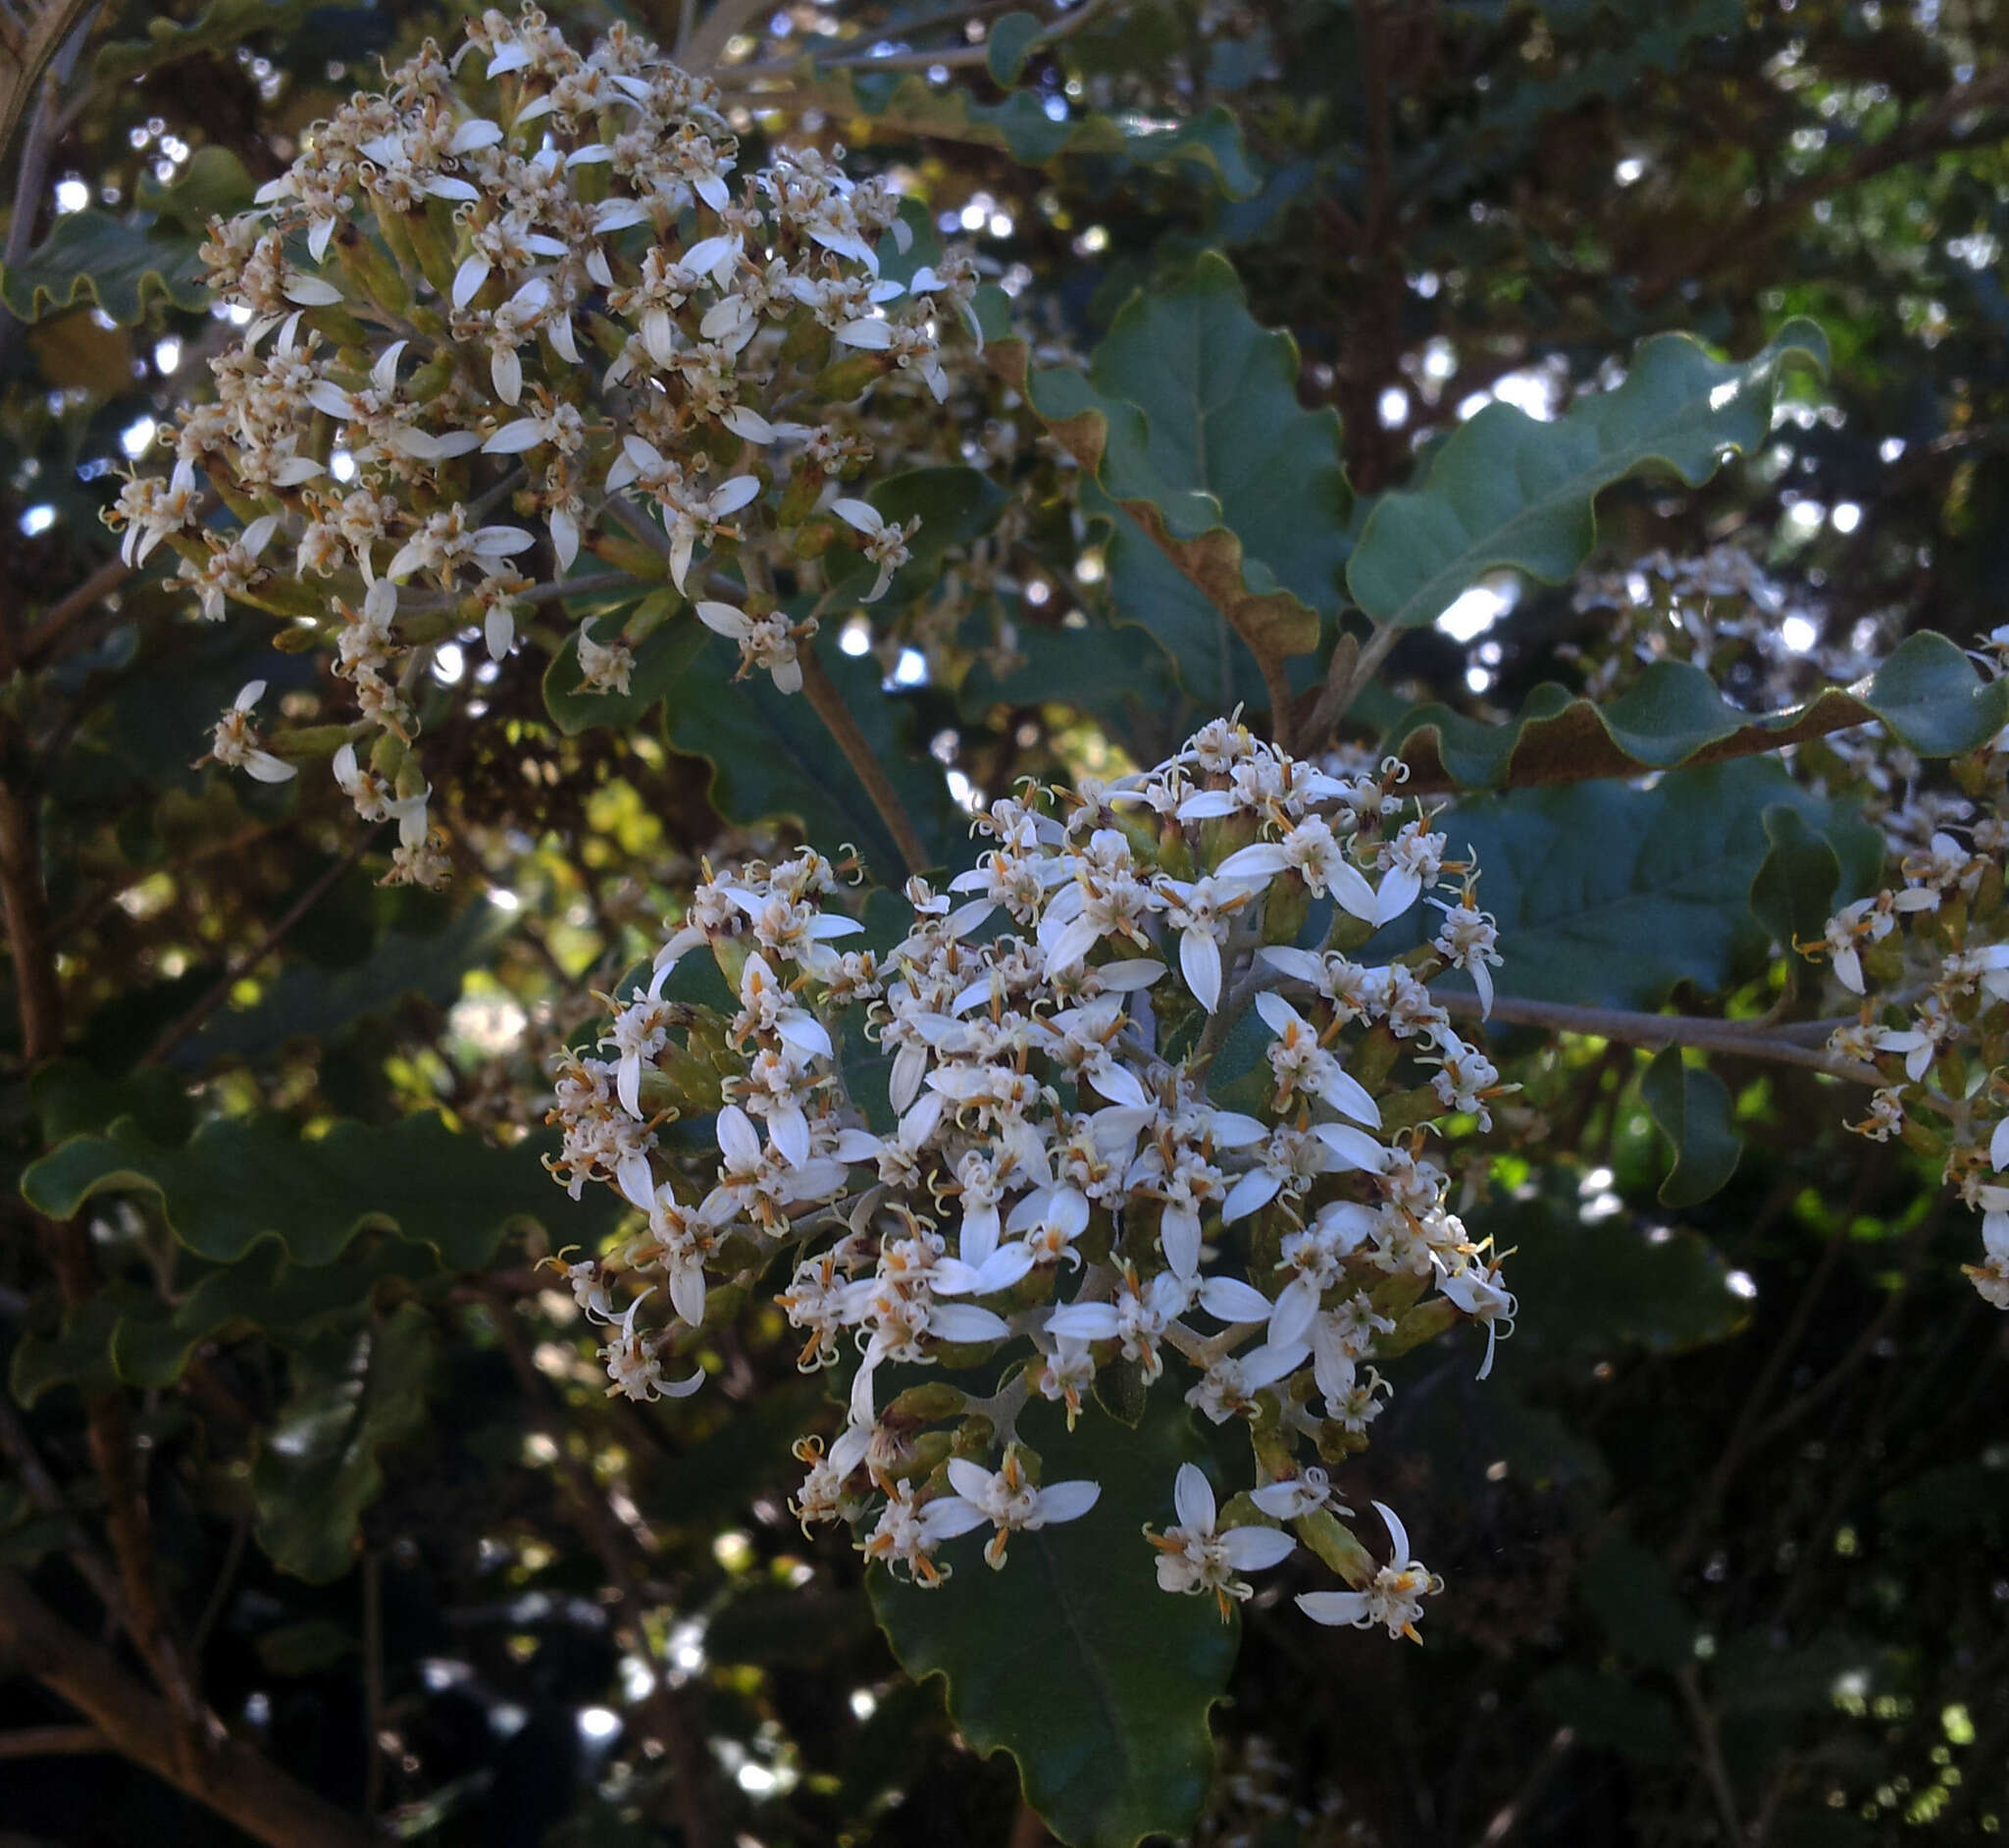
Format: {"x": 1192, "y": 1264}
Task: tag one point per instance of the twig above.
{"x": 372, "y": 1683}
{"x": 179, "y": 1030}
{"x": 1710, "y": 1750}
{"x": 53, "y": 1742}
{"x": 1654, "y": 1031}
{"x": 830, "y": 707}
{"x": 87, "y": 596}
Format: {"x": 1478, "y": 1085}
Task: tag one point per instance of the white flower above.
{"x": 1296, "y": 1495}
{"x": 1485, "y": 1298}
{"x": 1006, "y": 1500}
{"x": 235, "y": 742}
{"x": 1194, "y": 1558}
{"x": 1392, "y": 1598}
{"x": 885, "y": 540}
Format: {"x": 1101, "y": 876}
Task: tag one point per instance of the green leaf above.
{"x": 1928, "y": 694}
{"x": 1011, "y": 43}
{"x": 1691, "y": 1106}
{"x": 116, "y": 263}
{"x": 772, "y": 758}
{"x": 1609, "y": 896}
{"x": 1188, "y": 419}
{"x": 1507, "y": 490}
{"x": 1793, "y": 892}
{"x": 1207, "y": 146}
{"x": 318, "y": 1467}
{"x": 240, "y": 1178}
{"x": 1070, "y": 1657}
{"x": 1631, "y": 1593}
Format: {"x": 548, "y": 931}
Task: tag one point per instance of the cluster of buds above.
{"x": 1016, "y": 1131}
{"x": 520, "y": 306}
{"x": 1930, "y": 959}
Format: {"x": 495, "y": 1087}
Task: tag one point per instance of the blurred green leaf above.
{"x": 1631, "y": 1594}
{"x": 1587, "y": 1286}
{"x": 1008, "y": 44}
{"x": 1209, "y": 145}
{"x": 319, "y": 1466}
{"x": 1189, "y": 419}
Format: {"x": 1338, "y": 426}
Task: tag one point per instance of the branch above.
{"x": 821, "y": 691}
{"x": 235, "y": 1782}
{"x": 1654, "y": 1031}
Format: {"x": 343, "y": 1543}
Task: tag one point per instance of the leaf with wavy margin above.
{"x": 1508, "y": 490}
{"x": 239, "y": 1179}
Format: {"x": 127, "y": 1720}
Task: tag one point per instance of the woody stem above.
{"x": 843, "y": 728}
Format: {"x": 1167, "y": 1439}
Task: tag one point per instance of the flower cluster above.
{"x": 1931, "y": 959}
{"x": 1014, "y": 1140}
{"x": 522, "y": 305}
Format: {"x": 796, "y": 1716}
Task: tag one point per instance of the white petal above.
{"x": 1264, "y": 860}
{"x": 1353, "y": 893}
{"x": 513, "y": 438}
{"x": 1251, "y": 1549}
{"x": 861, "y": 515}
{"x": 1230, "y": 1300}
{"x": 734, "y": 494}
{"x": 1353, "y": 1148}
{"x": 1200, "y": 964}
{"x": 1296, "y": 1311}
{"x": 1192, "y": 1497}
{"x": 737, "y": 1140}
{"x": 964, "y": 1322}
{"x": 1337, "y": 1608}
{"x": 469, "y": 277}
{"x": 872, "y": 335}
{"x": 505, "y": 372}
{"x": 1083, "y": 1322}
{"x": 723, "y": 619}
{"x": 1067, "y": 1500}
{"x": 311, "y": 291}
{"x": 1253, "y": 1192}
{"x": 950, "y": 1516}
{"x": 1400, "y": 889}
{"x": 1178, "y": 1233}
{"x": 748, "y": 424}
{"x": 1346, "y": 1095}
{"x": 1396, "y": 1534}
{"x": 263, "y": 767}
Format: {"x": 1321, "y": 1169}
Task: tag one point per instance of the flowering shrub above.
{"x": 576, "y": 311}
{"x": 1135, "y": 749}
{"x": 1054, "y": 1169}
